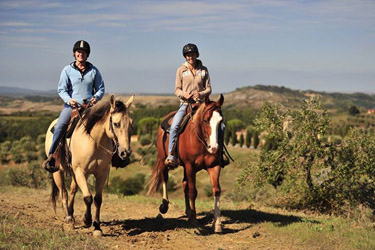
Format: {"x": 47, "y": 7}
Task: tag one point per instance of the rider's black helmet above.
{"x": 83, "y": 45}
{"x": 190, "y": 48}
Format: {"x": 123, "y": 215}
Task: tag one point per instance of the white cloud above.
{"x": 15, "y": 24}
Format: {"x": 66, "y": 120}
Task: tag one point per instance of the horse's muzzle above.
{"x": 212, "y": 150}
{"x": 124, "y": 154}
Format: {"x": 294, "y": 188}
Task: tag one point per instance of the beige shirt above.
{"x": 186, "y": 82}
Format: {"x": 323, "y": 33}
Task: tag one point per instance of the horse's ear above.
{"x": 129, "y": 102}
{"x": 207, "y": 100}
{"x": 221, "y": 100}
{"x": 113, "y": 102}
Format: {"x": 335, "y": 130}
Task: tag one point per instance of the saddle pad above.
{"x": 167, "y": 122}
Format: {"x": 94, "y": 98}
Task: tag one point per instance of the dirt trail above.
{"x": 132, "y": 224}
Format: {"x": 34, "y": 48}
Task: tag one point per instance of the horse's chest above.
{"x": 206, "y": 160}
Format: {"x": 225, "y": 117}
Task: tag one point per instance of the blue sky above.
{"x": 301, "y": 44}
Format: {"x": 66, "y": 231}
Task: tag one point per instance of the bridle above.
{"x": 204, "y": 141}
{"x": 115, "y": 138}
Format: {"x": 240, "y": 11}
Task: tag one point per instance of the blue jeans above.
{"x": 176, "y": 125}
{"x": 60, "y": 128}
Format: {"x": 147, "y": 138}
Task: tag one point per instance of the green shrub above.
{"x": 130, "y": 186}
{"x": 33, "y": 176}
{"x": 208, "y": 190}
{"x": 307, "y": 170}
{"x": 145, "y": 140}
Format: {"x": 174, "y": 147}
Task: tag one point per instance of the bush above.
{"x": 208, "y": 190}
{"x": 145, "y": 140}
{"x": 33, "y": 177}
{"x": 242, "y": 140}
{"x": 130, "y": 186}
{"x": 306, "y": 170}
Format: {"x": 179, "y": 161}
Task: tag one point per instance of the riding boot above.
{"x": 50, "y": 164}
{"x": 170, "y": 162}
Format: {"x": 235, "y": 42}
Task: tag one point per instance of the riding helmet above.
{"x": 190, "y": 48}
{"x": 83, "y": 45}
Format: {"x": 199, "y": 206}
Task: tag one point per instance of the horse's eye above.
{"x": 116, "y": 124}
{"x": 205, "y": 121}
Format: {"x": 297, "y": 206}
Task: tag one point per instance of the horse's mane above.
{"x": 199, "y": 112}
{"x": 98, "y": 114}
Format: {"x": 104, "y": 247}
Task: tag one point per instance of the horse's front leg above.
{"x": 185, "y": 187}
{"x": 191, "y": 178}
{"x": 81, "y": 180}
{"x": 100, "y": 182}
{"x": 214, "y": 174}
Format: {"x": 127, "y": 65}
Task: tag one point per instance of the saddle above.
{"x": 75, "y": 115}
{"x": 167, "y": 122}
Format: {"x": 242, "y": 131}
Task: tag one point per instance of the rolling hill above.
{"x": 245, "y": 97}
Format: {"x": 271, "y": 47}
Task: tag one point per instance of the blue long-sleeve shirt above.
{"x": 80, "y": 86}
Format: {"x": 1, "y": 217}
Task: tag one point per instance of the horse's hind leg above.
{"x": 164, "y": 181}
{"x": 58, "y": 178}
{"x": 73, "y": 191}
{"x": 81, "y": 180}
{"x": 214, "y": 174}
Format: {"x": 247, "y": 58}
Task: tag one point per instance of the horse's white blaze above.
{"x": 214, "y": 123}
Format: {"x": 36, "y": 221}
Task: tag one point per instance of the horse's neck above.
{"x": 195, "y": 124}
{"x": 98, "y": 132}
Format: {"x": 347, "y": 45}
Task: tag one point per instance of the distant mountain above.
{"x": 251, "y": 96}
{"x": 21, "y": 92}
{"x": 254, "y": 96}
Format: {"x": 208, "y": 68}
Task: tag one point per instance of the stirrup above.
{"x": 49, "y": 164}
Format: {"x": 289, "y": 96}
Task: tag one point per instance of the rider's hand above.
{"x": 72, "y": 102}
{"x": 196, "y": 96}
{"x": 93, "y": 101}
{"x": 187, "y": 96}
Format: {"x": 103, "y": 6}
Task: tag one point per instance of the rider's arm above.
{"x": 99, "y": 86}
{"x": 207, "y": 84}
{"x": 62, "y": 88}
{"x": 178, "y": 85}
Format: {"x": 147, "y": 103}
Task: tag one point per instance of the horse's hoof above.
{"x": 218, "y": 228}
{"x": 164, "y": 206}
{"x": 87, "y": 223}
{"x": 69, "y": 219}
{"x": 97, "y": 233}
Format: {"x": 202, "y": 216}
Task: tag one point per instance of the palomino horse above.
{"x": 199, "y": 148}
{"x": 92, "y": 143}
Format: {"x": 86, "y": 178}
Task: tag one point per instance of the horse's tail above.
{"x": 155, "y": 179}
{"x": 54, "y": 193}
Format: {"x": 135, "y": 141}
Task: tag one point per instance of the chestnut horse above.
{"x": 92, "y": 144}
{"x": 198, "y": 148}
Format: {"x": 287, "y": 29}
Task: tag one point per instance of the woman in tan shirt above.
{"x": 192, "y": 85}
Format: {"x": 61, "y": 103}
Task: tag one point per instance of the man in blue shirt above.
{"x": 79, "y": 81}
